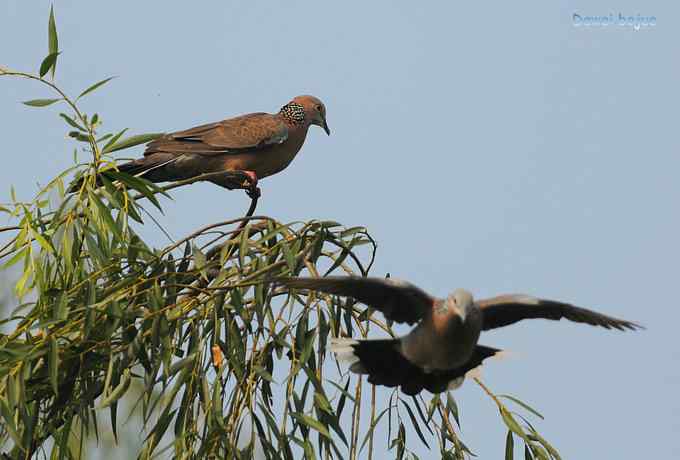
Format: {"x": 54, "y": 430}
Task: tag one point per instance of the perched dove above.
{"x": 442, "y": 348}
{"x": 258, "y": 144}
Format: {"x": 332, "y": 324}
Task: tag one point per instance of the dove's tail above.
{"x": 384, "y": 364}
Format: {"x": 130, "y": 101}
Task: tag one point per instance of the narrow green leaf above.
{"x": 523, "y": 404}
{"x": 79, "y": 136}
{"x": 146, "y": 188}
{"x": 95, "y": 250}
{"x": 61, "y": 444}
{"x": 420, "y": 413}
{"x": 351, "y": 231}
{"x": 338, "y": 261}
{"x": 539, "y": 452}
{"x": 344, "y": 393}
{"x": 109, "y": 376}
{"x": 452, "y": 407}
{"x": 61, "y": 307}
{"x": 52, "y": 40}
{"x": 466, "y": 449}
{"x": 72, "y": 122}
{"x": 40, "y": 102}
{"x": 50, "y": 62}
{"x": 243, "y": 245}
{"x": 11, "y": 392}
{"x": 512, "y": 424}
{"x": 95, "y": 86}
{"x": 53, "y": 364}
{"x": 200, "y": 261}
{"x": 20, "y": 254}
{"x": 269, "y": 418}
{"x": 334, "y": 423}
{"x": 309, "y": 450}
{"x": 527, "y": 453}
{"x": 308, "y": 347}
{"x": 132, "y": 141}
{"x": 161, "y": 427}
{"x": 112, "y": 194}
{"x": 112, "y": 141}
{"x": 9, "y": 423}
{"x": 262, "y": 372}
{"x": 113, "y": 414}
{"x": 105, "y": 214}
{"x": 182, "y": 363}
{"x": 119, "y": 391}
{"x": 509, "y": 446}
{"x": 312, "y": 423}
{"x": 415, "y": 424}
{"x": 401, "y": 441}
{"x": 317, "y": 246}
{"x": 46, "y": 245}
{"x": 22, "y": 286}
{"x": 288, "y": 255}
{"x": 322, "y": 403}
{"x": 547, "y": 445}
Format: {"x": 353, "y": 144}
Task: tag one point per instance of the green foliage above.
{"x": 217, "y": 361}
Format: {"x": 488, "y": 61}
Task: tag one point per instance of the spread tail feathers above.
{"x": 382, "y": 361}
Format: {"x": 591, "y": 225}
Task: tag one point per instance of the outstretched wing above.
{"x": 234, "y": 135}
{"x": 398, "y": 300}
{"x": 508, "y": 309}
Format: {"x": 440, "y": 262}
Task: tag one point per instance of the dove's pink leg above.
{"x": 253, "y": 190}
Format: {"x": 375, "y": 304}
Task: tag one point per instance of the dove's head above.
{"x": 460, "y": 302}
{"x": 315, "y": 111}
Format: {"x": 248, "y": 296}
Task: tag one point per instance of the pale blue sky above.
{"x": 498, "y": 148}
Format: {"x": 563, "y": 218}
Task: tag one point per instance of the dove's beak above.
{"x": 325, "y": 127}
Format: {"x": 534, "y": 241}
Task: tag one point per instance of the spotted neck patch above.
{"x": 294, "y": 113}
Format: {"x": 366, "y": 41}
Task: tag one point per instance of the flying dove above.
{"x": 442, "y": 348}
{"x": 257, "y": 144}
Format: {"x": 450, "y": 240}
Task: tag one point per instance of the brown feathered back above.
{"x": 234, "y": 135}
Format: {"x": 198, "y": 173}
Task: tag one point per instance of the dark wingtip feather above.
{"x": 631, "y": 326}
{"x": 619, "y": 324}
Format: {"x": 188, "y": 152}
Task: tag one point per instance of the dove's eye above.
{"x": 319, "y": 108}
